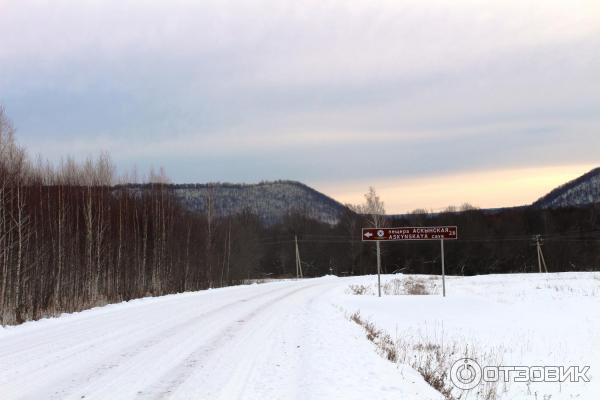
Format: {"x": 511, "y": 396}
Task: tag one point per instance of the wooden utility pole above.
{"x": 540, "y": 254}
{"x": 298, "y": 261}
{"x": 228, "y": 250}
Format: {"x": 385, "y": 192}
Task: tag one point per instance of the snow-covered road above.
{"x": 293, "y": 340}
{"x": 281, "y": 340}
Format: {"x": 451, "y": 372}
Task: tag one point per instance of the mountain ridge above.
{"x": 271, "y": 201}
{"x": 577, "y": 192}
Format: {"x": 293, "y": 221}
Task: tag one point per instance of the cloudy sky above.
{"x": 433, "y": 102}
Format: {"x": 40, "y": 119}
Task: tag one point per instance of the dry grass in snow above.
{"x": 432, "y": 359}
{"x": 406, "y": 285}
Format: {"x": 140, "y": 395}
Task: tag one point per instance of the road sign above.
{"x": 410, "y": 233}
{"x": 440, "y": 233}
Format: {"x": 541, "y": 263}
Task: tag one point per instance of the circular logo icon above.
{"x": 380, "y": 233}
{"x": 465, "y": 374}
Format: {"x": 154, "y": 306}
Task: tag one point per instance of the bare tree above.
{"x": 372, "y": 209}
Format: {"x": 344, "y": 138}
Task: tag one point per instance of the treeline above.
{"x": 489, "y": 242}
{"x": 503, "y": 241}
{"x": 70, "y": 240}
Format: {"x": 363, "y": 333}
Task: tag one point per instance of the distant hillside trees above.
{"x": 581, "y": 191}
{"x": 270, "y": 201}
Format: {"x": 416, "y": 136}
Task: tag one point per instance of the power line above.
{"x": 523, "y": 238}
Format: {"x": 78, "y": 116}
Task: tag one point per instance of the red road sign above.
{"x": 410, "y": 233}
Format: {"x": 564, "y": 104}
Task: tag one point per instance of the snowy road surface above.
{"x": 281, "y": 340}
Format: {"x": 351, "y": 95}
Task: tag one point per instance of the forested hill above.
{"x": 270, "y": 201}
{"x": 581, "y": 191}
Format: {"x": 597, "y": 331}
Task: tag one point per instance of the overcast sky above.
{"x": 433, "y": 102}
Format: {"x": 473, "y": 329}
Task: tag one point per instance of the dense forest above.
{"x": 70, "y": 239}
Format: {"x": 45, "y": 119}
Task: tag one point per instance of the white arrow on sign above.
{"x": 368, "y": 234}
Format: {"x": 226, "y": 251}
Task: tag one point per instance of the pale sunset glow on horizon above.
{"x": 484, "y": 189}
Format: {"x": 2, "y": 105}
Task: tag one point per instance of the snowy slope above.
{"x": 581, "y": 191}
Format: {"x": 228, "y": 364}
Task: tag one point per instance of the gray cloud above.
{"x": 244, "y": 91}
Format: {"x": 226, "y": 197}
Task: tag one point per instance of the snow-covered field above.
{"x": 500, "y": 320}
{"x": 294, "y": 340}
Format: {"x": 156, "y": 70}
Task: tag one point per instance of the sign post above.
{"x": 378, "y": 269}
{"x": 411, "y": 233}
{"x": 443, "y": 270}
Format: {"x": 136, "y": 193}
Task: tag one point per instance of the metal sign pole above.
{"x": 443, "y": 270}
{"x": 378, "y": 269}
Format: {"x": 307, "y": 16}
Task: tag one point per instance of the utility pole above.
{"x": 298, "y": 261}
{"x": 378, "y": 268}
{"x": 228, "y": 249}
{"x": 296, "y": 253}
{"x": 540, "y": 254}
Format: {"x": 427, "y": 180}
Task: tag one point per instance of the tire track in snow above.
{"x": 63, "y": 386}
{"x": 127, "y": 356}
{"x": 178, "y": 375}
